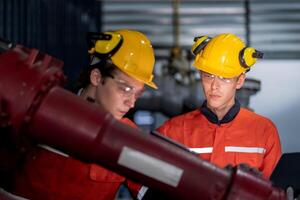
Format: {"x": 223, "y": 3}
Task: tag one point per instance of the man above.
{"x": 221, "y": 131}
{"x": 121, "y": 62}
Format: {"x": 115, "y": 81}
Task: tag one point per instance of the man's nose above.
{"x": 130, "y": 101}
{"x": 215, "y": 83}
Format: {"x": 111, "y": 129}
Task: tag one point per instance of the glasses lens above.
{"x": 210, "y": 77}
{"x": 206, "y": 76}
{"x": 126, "y": 90}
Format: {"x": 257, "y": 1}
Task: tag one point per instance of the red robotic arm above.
{"x": 35, "y": 109}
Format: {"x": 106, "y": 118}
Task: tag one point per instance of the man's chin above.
{"x": 119, "y": 115}
{"x": 214, "y": 105}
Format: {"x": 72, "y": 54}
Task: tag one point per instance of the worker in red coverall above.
{"x": 221, "y": 131}
{"x": 121, "y": 63}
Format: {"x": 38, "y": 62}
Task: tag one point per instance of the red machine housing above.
{"x": 35, "y": 109}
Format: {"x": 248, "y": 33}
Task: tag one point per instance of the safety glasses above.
{"x": 207, "y": 77}
{"x": 126, "y": 89}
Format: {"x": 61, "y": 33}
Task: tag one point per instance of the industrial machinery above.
{"x": 35, "y": 109}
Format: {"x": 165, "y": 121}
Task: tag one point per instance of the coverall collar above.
{"x": 212, "y": 117}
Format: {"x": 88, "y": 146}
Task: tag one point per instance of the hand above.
{"x": 245, "y": 167}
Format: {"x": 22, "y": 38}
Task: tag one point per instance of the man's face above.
{"x": 220, "y": 92}
{"x": 117, "y": 94}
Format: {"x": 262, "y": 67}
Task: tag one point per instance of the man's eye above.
{"x": 125, "y": 88}
{"x": 226, "y": 79}
{"x": 208, "y": 75}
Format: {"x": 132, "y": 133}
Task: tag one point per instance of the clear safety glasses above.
{"x": 207, "y": 77}
{"x": 126, "y": 90}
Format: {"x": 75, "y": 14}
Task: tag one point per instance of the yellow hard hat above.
{"x": 129, "y": 50}
{"x": 225, "y": 55}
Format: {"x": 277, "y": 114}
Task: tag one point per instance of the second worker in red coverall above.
{"x": 121, "y": 64}
{"x": 221, "y": 131}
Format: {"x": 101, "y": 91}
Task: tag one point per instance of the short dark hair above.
{"x": 106, "y": 68}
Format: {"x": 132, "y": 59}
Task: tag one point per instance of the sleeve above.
{"x": 171, "y": 127}
{"x": 163, "y": 129}
{"x": 174, "y": 129}
{"x": 128, "y": 122}
{"x": 273, "y": 151}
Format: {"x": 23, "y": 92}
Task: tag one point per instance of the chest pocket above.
{"x": 100, "y": 174}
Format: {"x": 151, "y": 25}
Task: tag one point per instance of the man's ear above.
{"x": 240, "y": 81}
{"x": 95, "y": 77}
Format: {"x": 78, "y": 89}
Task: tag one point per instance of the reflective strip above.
{"x": 142, "y": 192}
{"x": 150, "y": 166}
{"x": 245, "y": 149}
{"x": 53, "y": 150}
{"x": 202, "y": 150}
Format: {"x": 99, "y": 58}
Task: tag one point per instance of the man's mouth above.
{"x": 123, "y": 112}
{"x": 214, "y": 96}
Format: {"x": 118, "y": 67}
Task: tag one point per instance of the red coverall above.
{"x": 55, "y": 176}
{"x": 240, "y": 137}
